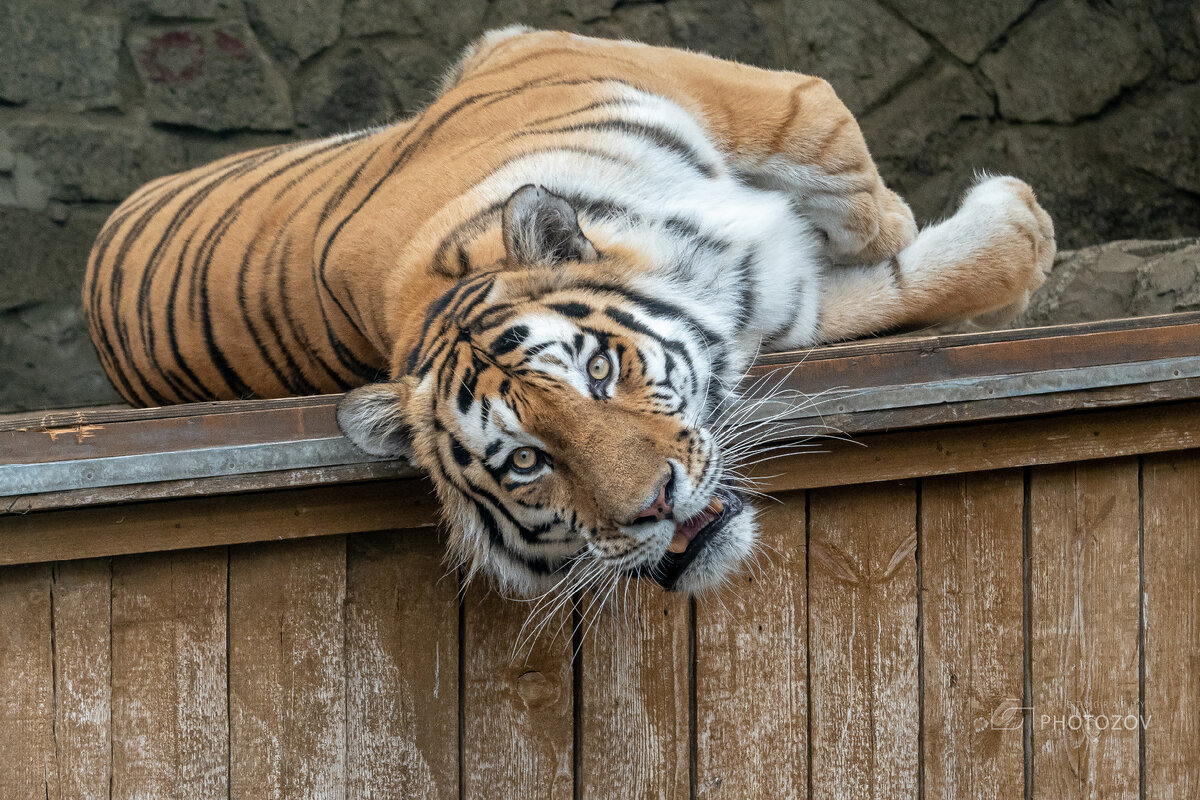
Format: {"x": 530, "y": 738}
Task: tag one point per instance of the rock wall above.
{"x": 1095, "y": 102}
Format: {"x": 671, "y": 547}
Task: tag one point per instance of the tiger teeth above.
{"x": 678, "y": 544}
{"x": 715, "y": 506}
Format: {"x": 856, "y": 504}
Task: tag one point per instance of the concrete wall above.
{"x": 1094, "y": 101}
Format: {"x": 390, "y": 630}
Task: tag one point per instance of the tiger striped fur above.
{"x": 545, "y": 287}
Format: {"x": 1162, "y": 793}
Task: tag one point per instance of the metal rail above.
{"x": 201, "y": 462}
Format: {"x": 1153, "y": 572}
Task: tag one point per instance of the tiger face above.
{"x": 564, "y": 419}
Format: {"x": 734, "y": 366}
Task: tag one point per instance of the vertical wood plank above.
{"x": 170, "y": 729}
{"x": 863, "y": 618}
{"x": 518, "y": 721}
{"x": 752, "y": 669}
{"x": 1171, "y": 486}
{"x": 27, "y": 766}
{"x": 287, "y": 676}
{"x": 82, "y": 676}
{"x": 972, "y": 612}
{"x": 401, "y": 668}
{"x": 1084, "y": 629}
{"x": 635, "y": 667}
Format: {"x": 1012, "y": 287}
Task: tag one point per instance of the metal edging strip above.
{"x": 197, "y": 463}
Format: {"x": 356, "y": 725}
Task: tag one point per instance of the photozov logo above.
{"x": 1009, "y": 715}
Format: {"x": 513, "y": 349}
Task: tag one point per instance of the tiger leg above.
{"x": 983, "y": 264}
{"x": 791, "y": 132}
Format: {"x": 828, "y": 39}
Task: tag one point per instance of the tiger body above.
{"x": 565, "y": 203}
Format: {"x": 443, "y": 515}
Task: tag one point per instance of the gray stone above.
{"x": 47, "y": 360}
{"x": 590, "y": 10}
{"x": 213, "y": 76}
{"x": 723, "y": 28}
{"x": 54, "y": 56}
{"x": 181, "y": 9}
{"x": 645, "y": 23}
{"x": 42, "y": 260}
{"x": 1160, "y": 134}
{"x": 369, "y": 17}
{"x": 303, "y": 27}
{"x": 1091, "y": 199}
{"x": 1070, "y": 57}
{"x": 1118, "y": 279}
{"x": 927, "y": 108}
{"x": 856, "y": 45}
{"x": 547, "y": 14}
{"x": 92, "y": 160}
{"x": 344, "y": 92}
{"x": 965, "y": 33}
{"x": 450, "y": 25}
{"x": 414, "y": 67}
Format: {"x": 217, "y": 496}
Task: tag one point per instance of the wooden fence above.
{"x": 225, "y": 601}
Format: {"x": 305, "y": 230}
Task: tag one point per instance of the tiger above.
{"x": 545, "y": 288}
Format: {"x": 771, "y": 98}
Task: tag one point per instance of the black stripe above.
{"x": 651, "y": 133}
{"x": 510, "y": 340}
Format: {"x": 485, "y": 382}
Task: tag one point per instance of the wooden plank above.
{"x": 1171, "y": 502}
{"x": 68, "y": 418}
{"x": 972, "y": 618}
{"x": 1085, "y": 629}
{"x": 287, "y": 672}
{"x": 1155, "y": 325}
{"x": 28, "y": 767}
{"x": 863, "y": 641}
{"x": 752, "y": 669}
{"x": 201, "y": 522}
{"x": 634, "y": 719}
{"x": 402, "y": 628}
{"x": 518, "y": 708}
{"x": 156, "y": 434}
{"x": 82, "y": 676}
{"x": 988, "y": 446}
{"x": 170, "y": 729}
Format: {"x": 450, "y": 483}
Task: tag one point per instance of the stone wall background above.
{"x": 1095, "y": 102}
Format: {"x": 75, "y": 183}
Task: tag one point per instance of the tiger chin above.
{"x": 561, "y": 270}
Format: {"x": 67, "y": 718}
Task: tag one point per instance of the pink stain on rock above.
{"x": 231, "y": 45}
{"x": 173, "y": 58}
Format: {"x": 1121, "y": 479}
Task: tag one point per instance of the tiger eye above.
{"x": 525, "y": 458}
{"x": 599, "y": 368}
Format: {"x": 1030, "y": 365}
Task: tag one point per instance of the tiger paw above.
{"x": 1018, "y": 249}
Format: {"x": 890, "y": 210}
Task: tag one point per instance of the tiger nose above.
{"x": 661, "y": 506}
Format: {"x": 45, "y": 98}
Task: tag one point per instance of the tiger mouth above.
{"x": 693, "y": 535}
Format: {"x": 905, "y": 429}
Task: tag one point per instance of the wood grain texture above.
{"x": 82, "y": 676}
{"x": 518, "y": 709}
{"x": 401, "y": 668}
{"x": 170, "y": 728}
{"x": 1171, "y": 492}
{"x": 863, "y": 642}
{"x": 28, "y": 767}
{"x": 972, "y": 616}
{"x": 988, "y": 446}
{"x": 1084, "y": 629}
{"x": 634, "y": 720}
{"x": 752, "y": 669}
{"x": 287, "y": 670}
{"x": 205, "y": 521}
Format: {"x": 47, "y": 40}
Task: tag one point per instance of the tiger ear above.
{"x": 542, "y": 229}
{"x": 374, "y": 417}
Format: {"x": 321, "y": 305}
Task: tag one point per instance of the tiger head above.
{"x": 565, "y": 418}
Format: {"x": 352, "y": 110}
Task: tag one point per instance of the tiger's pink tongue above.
{"x": 686, "y": 531}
